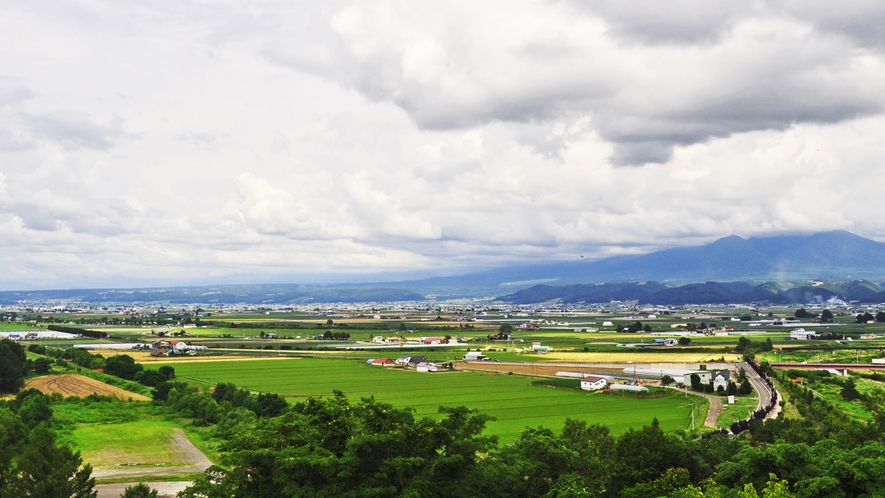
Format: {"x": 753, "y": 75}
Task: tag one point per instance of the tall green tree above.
{"x": 122, "y": 366}
{"x": 49, "y": 470}
{"x": 13, "y": 366}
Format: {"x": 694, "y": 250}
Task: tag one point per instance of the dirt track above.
{"x": 79, "y": 385}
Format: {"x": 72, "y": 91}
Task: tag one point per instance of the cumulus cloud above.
{"x": 651, "y": 76}
{"x": 259, "y": 140}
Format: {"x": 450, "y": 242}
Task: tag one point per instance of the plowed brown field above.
{"x": 78, "y": 385}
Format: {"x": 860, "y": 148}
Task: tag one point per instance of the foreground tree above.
{"x": 330, "y": 447}
{"x": 140, "y": 490}
{"x": 13, "y": 366}
{"x": 48, "y": 470}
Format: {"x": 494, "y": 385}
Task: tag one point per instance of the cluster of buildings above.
{"x": 419, "y": 363}
{"x": 423, "y": 341}
{"x": 162, "y": 348}
{"x": 597, "y": 382}
{"x": 27, "y": 335}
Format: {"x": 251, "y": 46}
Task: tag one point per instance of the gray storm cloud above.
{"x": 651, "y": 76}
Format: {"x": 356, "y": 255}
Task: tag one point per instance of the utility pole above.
{"x": 692, "y": 417}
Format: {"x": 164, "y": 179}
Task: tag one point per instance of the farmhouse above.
{"x": 384, "y": 362}
{"x": 415, "y": 360}
{"x": 720, "y": 379}
{"x": 161, "y": 345}
{"x": 593, "y": 383}
{"x": 802, "y": 335}
{"x": 403, "y": 360}
{"x": 706, "y": 376}
{"x": 430, "y": 341}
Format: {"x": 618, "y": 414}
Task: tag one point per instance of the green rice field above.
{"x": 512, "y": 400}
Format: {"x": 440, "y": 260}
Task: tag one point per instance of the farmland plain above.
{"x": 511, "y": 399}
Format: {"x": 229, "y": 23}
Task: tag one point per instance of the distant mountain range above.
{"x": 804, "y": 292}
{"x": 825, "y": 256}
{"x": 255, "y": 295}
{"x": 837, "y": 256}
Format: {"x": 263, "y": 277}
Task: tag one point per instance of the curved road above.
{"x": 765, "y": 393}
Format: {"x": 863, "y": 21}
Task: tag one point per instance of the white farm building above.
{"x": 593, "y": 383}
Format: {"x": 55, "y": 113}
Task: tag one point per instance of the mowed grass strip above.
{"x": 141, "y": 443}
{"x": 512, "y": 400}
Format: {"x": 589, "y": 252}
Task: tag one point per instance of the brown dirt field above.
{"x": 79, "y": 385}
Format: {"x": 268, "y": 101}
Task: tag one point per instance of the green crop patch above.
{"x": 512, "y": 400}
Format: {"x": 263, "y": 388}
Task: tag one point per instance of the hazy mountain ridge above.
{"x": 703, "y": 293}
{"x": 837, "y": 255}
{"x": 850, "y": 265}
{"x": 222, "y": 294}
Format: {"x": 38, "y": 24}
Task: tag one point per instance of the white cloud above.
{"x": 219, "y": 142}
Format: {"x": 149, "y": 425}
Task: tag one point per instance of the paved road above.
{"x": 765, "y": 393}
{"x": 715, "y": 409}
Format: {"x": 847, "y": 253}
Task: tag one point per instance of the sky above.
{"x": 183, "y": 142}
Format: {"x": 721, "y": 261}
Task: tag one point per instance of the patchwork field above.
{"x": 78, "y": 385}
{"x": 512, "y": 400}
{"x": 643, "y": 357}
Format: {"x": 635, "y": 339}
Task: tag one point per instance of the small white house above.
{"x": 403, "y": 360}
{"x": 720, "y": 380}
{"x": 593, "y": 383}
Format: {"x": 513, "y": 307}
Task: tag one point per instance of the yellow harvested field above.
{"x": 79, "y": 385}
{"x": 635, "y": 357}
{"x": 145, "y": 357}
